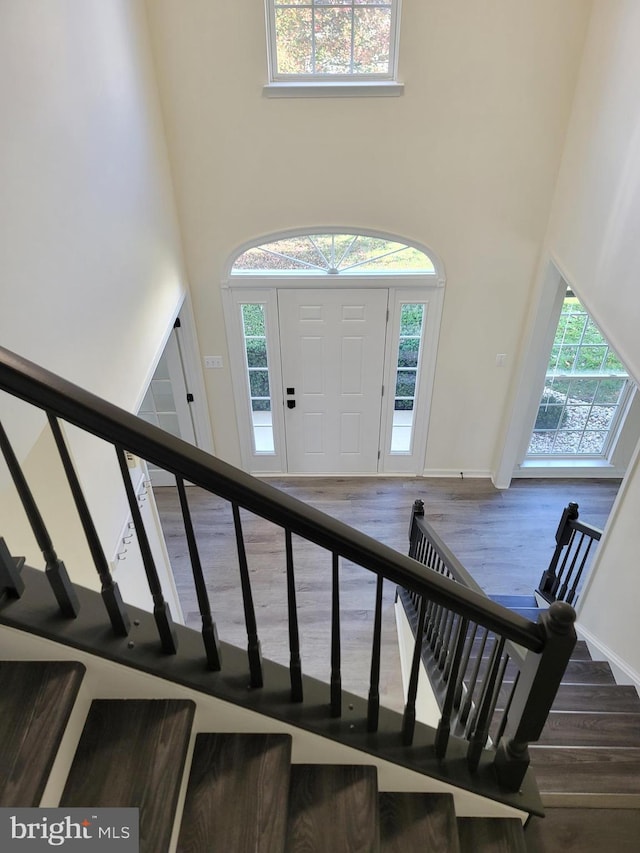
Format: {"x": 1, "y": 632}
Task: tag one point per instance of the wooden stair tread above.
{"x": 579, "y": 655}
{"x": 577, "y": 728}
{"x": 233, "y": 772}
{"x": 597, "y": 697}
{"x": 512, "y": 601}
{"x": 416, "y": 822}
{"x": 585, "y": 830}
{"x": 588, "y": 672}
{"x": 531, "y": 613}
{"x": 491, "y": 835}
{"x": 331, "y": 808}
{"x": 582, "y": 672}
{"x": 590, "y": 770}
{"x": 132, "y": 753}
{"x": 36, "y": 699}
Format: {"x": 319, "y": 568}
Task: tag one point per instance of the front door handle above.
{"x": 291, "y": 404}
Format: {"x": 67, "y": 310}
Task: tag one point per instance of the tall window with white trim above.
{"x": 257, "y": 367}
{"x": 407, "y": 362}
{"x": 585, "y": 392}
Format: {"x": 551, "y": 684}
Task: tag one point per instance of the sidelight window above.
{"x": 407, "y": 361}
{"x": 257, "y": 368}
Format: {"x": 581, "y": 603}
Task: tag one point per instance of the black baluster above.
{"x": 374, "y": 684}
{"x": 55, "y": 569}
{"x": 548, "y": 581}
{"x": 409, "y": 717}
{"x": 558, "y": 579}
{"x": 414, "y": 531}
{"x": 433, "y": 613}
{"x": 492, "y": 643}
{"x": 295, "y": 665}
{"x": 428, "y": 556}
{"x": 10, "y": 581}
{"x": 471, "y": 686}
{"x": 459, "y": 691}
{"x": 209, "y": 630}
{"x": 161, "y": 612}
{"x": 444, "y": 726}
{"x": 446, "y": 641}
{"x": 504, "y": 663}
{"x": 253, "y": 643}
{"x": 440, "y": 645}
{"x": 487, "y": 703}
{"x": 109, "y": 590}
{"x": 507, "y": 707}
{"x": 336, "y": 677}
{"x": 562, "y": 591}
{"x": 570, "y": 598}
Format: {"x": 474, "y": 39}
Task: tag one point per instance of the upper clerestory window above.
{"x": 325, "y": 44}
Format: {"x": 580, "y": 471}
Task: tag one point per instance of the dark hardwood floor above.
{"x": 504, "y": 538}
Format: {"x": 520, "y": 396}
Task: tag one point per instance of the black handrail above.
{"x": 468, "y": 675}
{"x": 47, "y": 391}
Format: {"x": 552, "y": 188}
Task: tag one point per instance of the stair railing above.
{"x": 447, "y": 609}
{"x": 563, "y": 578}
{"x": 492, "y": 690}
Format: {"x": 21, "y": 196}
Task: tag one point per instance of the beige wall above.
{"x": 89, "y": 243}
{"x": 593, "y": 234}
{"x": 594, "y": 238}
{"x": 464, "y": 162}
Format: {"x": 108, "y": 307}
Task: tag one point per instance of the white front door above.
{"x": 332, "y": 345}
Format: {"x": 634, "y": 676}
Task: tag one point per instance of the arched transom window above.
{"x": 333, "y": 254}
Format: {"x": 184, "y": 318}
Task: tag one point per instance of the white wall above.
{"x": 593, "y": 236}
{"x": 593, "y": 233}
{"x": 465, "y": 162}
{"x": 608, "y": 611}
{"x": 90, "y": 249}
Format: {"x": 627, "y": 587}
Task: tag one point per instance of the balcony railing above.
{"x": 454, "y": 615}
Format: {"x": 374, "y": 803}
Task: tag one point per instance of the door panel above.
{"x": 332, "y": 347}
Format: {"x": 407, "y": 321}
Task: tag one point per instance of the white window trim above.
{"x": 538, "y": 341}
{"x": 424, "y": 287}
{"x": 327, "y": 85}
{"x": 334, "y": 89}
{"x": 412, "y": 461}
{"x": 571, "y": 461}
{"x": 233, "y": 298}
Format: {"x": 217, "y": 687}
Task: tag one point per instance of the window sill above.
{"x": 334, "y": 89}
{"x": 570, "y": 468}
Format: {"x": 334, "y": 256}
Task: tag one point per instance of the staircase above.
{"x": 589, "y": 751}
{"x": 241, "y": 791}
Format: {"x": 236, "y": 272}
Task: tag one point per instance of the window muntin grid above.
{"x": 332, "y": 39}
{"x": 332, "y": 254}
{"x": 586, "y": 386}
{"x": 406, "y": 375}
{"x": 257, "y": 368}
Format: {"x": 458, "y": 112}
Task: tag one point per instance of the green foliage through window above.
{"x": 333, "y": 254}
{"x": 255, "y": 343}
{"x": 585, "y": 386}
{"x": 332, "y": 38}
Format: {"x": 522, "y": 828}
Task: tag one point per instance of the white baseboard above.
{"x": 456, "y": 473}
{"x": 574, "y": 472}
{"x": 622, "y": 672}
